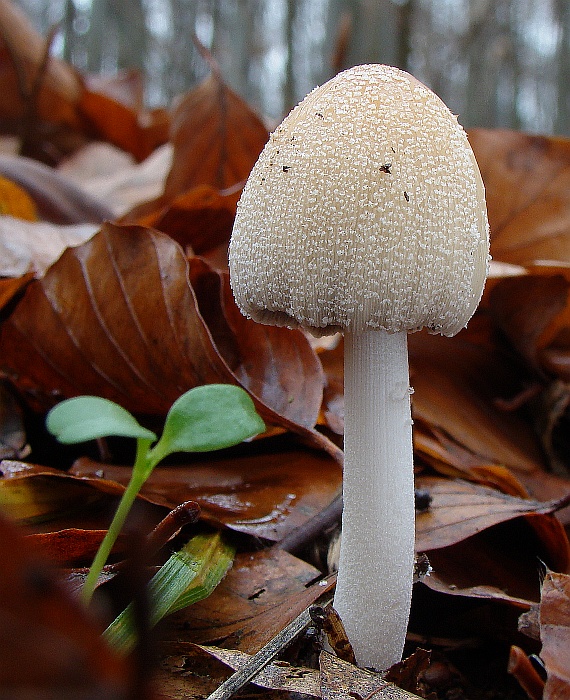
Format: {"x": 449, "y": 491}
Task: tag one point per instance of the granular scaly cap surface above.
{"x": 365, "y": 210}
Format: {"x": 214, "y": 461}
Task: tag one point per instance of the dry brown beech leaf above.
{"x": 555, "y": 634}
{"x": 460, "y": 509}
{"x": 527, "y": 179}
{"x": 113, "y": 109}
{"x": 216, "y": 136}
{"x": 266, "y": 495}
{"x": 502, "y": 563}
{"x": 118, "y": 317}
{"x": 216, "y": 139}
{"x": 200, "y": 218}
{"x": 260, "y": 595}
{"x": 438, "y": 450}
{"x": 457, "y": 385}
{"x": 534, "y": 314}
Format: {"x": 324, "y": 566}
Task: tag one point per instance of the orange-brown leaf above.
{"x": 217, "y": 139}
{"x": 113, "y": 109}
{"x": 460, "y": 509}
{"x": 266, "y": 494}
{"x": 10, "y": 288}
{"x": 527, "y": 179}
{"x": 200, "y": 218}
{"x": 118, "y": 317}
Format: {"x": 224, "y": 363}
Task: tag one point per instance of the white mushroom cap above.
{"x": 366, "y": 209}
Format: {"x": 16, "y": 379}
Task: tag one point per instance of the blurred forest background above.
{"x": 494, "y": 62}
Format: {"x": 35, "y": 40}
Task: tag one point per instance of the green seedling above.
{"x": 203, "y": 419}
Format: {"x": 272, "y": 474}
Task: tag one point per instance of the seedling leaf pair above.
{"x": 205, "y": 418}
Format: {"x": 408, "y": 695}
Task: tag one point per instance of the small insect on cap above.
{"x": 366, "y": 209}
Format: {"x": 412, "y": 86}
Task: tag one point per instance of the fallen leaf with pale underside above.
{"x": 555, "y": 634}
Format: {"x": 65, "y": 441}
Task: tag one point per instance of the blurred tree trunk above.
{"x": 495, "y": 62}
{"x": 562, "y": 123}
{"x": 68, "y": 28}
{"x": 404, "y": 25}
{"x": 289, "y": 87}
{"x": 117, "y": 35}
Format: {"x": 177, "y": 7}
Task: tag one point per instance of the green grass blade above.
{"x": 188, "y": 576}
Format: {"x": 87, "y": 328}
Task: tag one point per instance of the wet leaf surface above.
{"x": 266, "y": 495}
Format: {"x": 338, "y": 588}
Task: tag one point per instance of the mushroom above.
{"x": 365, "y": 214}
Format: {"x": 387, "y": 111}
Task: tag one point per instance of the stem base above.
{"x": 374, "y": 586}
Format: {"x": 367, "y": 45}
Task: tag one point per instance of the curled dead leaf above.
{"x": 216, "y": 136}
{"x": 555, "y": 634}
{"x": 460, "y": 509}
{"x": 57, "y": 200}
{"x": 119, "y": 317}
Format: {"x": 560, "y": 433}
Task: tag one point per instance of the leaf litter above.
{"x": 142, "y": 311}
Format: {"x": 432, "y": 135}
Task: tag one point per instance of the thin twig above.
{"x": 307, "y": 532}
{"x": 264, "y": 656}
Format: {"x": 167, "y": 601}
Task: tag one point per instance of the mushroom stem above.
{"x": 374, "y": 586}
